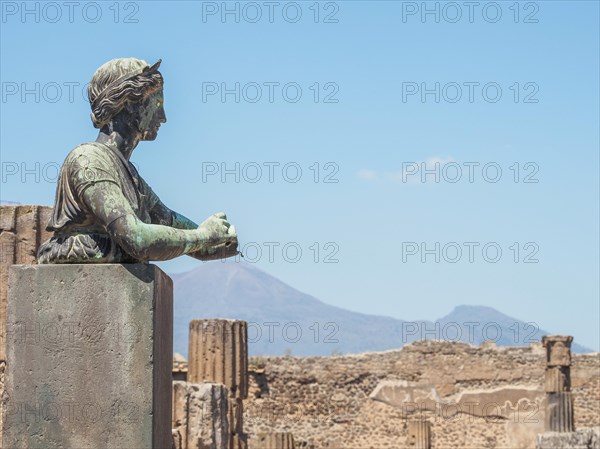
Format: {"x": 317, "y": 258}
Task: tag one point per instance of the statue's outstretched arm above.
{"x": 161, "y": 214}
{"x": 153, "y": 241}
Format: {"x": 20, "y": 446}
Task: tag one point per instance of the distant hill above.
{"x": 503, "y": 329}
{"x": 284, "y": 320}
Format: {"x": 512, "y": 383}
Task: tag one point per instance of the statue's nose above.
{"x": 163, "y": 116}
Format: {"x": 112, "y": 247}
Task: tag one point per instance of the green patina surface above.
{"x": 104, "y": 211}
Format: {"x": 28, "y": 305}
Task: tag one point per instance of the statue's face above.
{"x": 152, "y": 114}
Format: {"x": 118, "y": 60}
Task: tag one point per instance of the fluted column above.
{"x": 557, "y": 383}
{"x": 557, "y": 379}
{"x": 559, "y": 412}
{"x": 218, "y": 352}
{"x": 274, "y": 440}
{"x": 419, "y": 434}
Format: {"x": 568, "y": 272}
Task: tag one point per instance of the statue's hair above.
{"x": 119, "y": 82}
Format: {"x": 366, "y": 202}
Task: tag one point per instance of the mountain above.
{"x": 284, "y": 320}
{"x": 280, "y": 318}
{"x": 480, "y": 323}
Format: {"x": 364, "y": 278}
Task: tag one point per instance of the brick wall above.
{"x": 324, "y": 401}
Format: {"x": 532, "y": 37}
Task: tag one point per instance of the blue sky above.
{"x": 341, "y": 99}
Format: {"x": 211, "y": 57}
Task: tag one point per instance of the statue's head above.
{"x": 130, "y": 90}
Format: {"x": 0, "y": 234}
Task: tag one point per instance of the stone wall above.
{"x": 474, "y": 397}
{"x": 486, "y": 397}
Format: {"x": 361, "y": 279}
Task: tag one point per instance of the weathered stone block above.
{"x": 407, "y": 396}
{"x": 580, "y": 439}
{"x": 89, "y": 355}
{"x": 7, "y": 218}
{"x": 200, "y": 415}
{"x": 558, "y": 349}
{"x": 207, "y": 426}
{"x": 506, "y": 401}
{"x": 180, "y": 399}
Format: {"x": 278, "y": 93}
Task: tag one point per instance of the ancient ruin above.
{"x": 218, "y": 352}
{"x": 559, "y": 402}
{"x": 93, "y": 302}
{"x": 473, "y": 397}
{"x": 560, "y": 405}
{"x": 428, "y": 394}
{"x": 200, "y": 416}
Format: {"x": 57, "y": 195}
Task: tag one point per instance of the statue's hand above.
{"x": 220, "y": 237}
{"x": 216, "y": 228}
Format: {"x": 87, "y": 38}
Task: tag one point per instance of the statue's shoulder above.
{"x": 88, "y": 163}
{"x": 89, "y": 149}
{"x": 87, "y": 155}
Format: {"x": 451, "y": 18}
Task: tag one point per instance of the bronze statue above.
{"x": 104, "y": 211}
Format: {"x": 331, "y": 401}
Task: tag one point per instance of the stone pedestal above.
{"x": 89, "y": 356}
{"x": 218, "y": 352}
{"x": 419, "y": 434}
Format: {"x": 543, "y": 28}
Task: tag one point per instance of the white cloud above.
{"x": 430, "y": 162}
{"x": 367, "y": 174}
{"x": 411, "y": 172}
